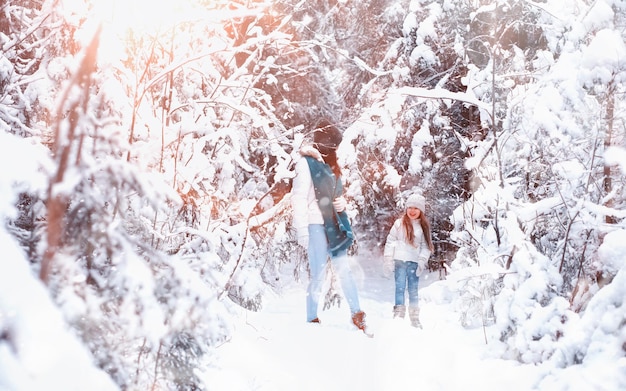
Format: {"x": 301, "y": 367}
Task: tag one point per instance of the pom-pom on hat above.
{"x": 416, "y": 201}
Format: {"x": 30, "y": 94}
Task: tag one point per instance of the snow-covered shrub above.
{"x": 597, "y": 336}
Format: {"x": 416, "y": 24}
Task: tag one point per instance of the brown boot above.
{"x": 399, "y": 311}
{"x": 359, "y": 320}
{"x": 414, "y": 315}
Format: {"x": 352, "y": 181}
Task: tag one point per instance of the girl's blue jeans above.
{"x": 406, "y": 279}
{"x": 318, "y": 264}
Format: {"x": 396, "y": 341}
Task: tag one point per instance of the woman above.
{"x": 320, "y": 219}
{"x": 407, "y": 250}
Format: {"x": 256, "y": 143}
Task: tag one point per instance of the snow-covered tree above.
{"x": 154, "y": 199}
{"x": 537, "y": 214}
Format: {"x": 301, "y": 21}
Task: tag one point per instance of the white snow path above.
{"x": 275, "y": 349}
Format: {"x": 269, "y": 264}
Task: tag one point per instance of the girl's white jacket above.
{"x": 398, "y": 247}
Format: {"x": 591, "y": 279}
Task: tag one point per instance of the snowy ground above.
{"x": 275, "y": 349}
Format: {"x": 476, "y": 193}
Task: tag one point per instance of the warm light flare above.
{"x": 119, "y": 18}
{"x": 140, "y": 19}
{"x": 145, "y": 16}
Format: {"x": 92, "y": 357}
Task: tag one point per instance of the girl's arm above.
{"x": 390, "y": 245}
{"x": 392, "y": 238}
{"x": 424, "y": 251}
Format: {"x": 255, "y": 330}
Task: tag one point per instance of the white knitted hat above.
{"x": 416, "y": 201}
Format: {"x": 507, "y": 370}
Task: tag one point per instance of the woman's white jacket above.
{"x": 304, "y": 204}
{"x": 397, "y": 246}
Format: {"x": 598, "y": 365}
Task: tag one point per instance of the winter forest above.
{"x": 148, "y": 152}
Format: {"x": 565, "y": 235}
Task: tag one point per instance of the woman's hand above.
{"x": 340, "y": 204}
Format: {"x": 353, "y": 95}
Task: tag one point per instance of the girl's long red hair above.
{"x": 410, "y": 233}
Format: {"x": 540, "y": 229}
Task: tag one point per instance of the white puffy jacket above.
{"x": 397, "y": 246}
{"x": 304, "y": 204}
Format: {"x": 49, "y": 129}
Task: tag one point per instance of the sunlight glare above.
{"x": 145, "y": 16}
{"x": 137, "y": 17}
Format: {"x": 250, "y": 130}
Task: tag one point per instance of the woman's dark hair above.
{"x": 327, "y": 138}
{"x": 410, "y": 234}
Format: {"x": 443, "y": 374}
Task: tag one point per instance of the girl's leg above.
{"x": 400, "y": 277}
{"x": 413, "y": 281}
{"x": 414, "y": 310}
{"x": 318, "y": 256}
{"x": 341, "y": 266}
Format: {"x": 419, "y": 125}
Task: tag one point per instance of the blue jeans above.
{"x": 318, "y": 264}
{"x": 404, "y": 274}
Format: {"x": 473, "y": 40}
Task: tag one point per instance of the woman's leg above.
{"x": 400, "y": 278}
{"x": 318, "y": 257}
{"x": 341, "y": 266}
{"x": 413, "y": 281}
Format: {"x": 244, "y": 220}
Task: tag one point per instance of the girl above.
{"x": 407, "y": 250}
